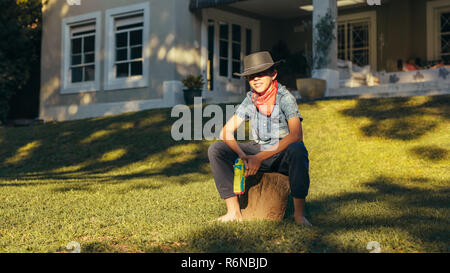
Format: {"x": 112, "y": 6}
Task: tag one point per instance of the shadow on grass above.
{"x": 400, "y": 118}
{"x": 87, "y": 149}
{"x": 430, "y": 152}
{"x": 337, "y": 215}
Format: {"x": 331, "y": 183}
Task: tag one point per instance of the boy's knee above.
{"x": 215, "y": 148}
{"x": 297, "y": 149}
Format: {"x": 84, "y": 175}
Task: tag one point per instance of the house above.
{"x": 115, "y": 56}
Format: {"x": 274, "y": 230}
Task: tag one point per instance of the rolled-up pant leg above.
{"x": 222, "y": 158}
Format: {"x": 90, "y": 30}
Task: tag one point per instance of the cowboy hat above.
{"x": 257, "y": 62}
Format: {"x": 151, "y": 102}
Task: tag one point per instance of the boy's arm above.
{"x": 253, "y": 162}
{"x": 227, "y": 134}
{"x": 295, "y": 135}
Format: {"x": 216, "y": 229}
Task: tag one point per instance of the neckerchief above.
{"x": 266, "y": 102}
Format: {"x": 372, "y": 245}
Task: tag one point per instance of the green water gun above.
{"x": 239, "y": 177}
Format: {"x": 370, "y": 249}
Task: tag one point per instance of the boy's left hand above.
{"x": 252, "y": 164}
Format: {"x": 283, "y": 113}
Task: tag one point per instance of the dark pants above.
{"x": 293, "y": 162}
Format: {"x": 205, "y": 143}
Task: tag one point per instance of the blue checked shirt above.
{"x": 269, "y": 130}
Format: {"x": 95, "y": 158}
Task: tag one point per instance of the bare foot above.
{"x": 301, "y": 220}
{"x": 230, "y": 217}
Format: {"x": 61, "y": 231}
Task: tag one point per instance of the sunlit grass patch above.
{"x": 378, "y": 167}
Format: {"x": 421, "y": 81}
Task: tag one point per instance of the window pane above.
{"x": 210, "y": 69}
{"x": 236, "y": 33}
{"x": 445, "y": 22}
{"x": 341, "y": 37}
{"x": 77, "y": 74}
{"x": 445, "y": 43}
{"x": 122, "y": 39}
{"x": 83, "y": 33}
{"x": 446, "y": 59}
{"x": 76, "y": 46}
{"x": 76, "y": 59}
{"x": 89, "y": 73}
{"x": 223, "y": 30}
{"x": 136, "y": 37}
{"x": 89, "y": 44}
{"x": 136, "y": 68}
{"x": 361, "y": 57}
{"x": 89, "y": 58}
{"x": 223, "y": 49}
{"x": 236, "y": 68}
{"x": 130, "y": 26}
{"x": 122, "y": 70}
{"x": 122, "y": 54}
{"x": 248, "y": 47}
{"x": 360, "y": 35}
{"x": 136, "y": 52}
{"x": 236, "y": 52}
{"x": 223, "y": 68}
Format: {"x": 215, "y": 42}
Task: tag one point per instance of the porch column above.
{"x": 329, "y": 71}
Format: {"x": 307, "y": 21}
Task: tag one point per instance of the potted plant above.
{"x": 312, "y": 87}
{"x": 194, "y": 85}
{"x": 308, "y": 87}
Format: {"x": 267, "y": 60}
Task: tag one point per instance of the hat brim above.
{"x": 258, "y": 69}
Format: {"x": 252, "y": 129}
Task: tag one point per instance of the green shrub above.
{"x": 193, "y": 82}
{"x": 20, "y": 39}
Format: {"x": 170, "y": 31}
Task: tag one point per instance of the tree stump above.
{"x": 266, "y": 196}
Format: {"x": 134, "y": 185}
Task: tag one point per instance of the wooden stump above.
{"x": 266, "y": 196}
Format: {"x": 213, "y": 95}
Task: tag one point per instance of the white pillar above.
{"x": 329, "y": 72}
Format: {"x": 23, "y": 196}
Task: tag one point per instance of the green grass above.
{"x": 379, "y": 171}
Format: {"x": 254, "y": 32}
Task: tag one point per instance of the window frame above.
{"x": 226, "y": 83}
{"x": 138, "y": 81}
{"x": 434, "y": 10}
{"x": 67, "y": 87}
{"x": 371, "y": 18}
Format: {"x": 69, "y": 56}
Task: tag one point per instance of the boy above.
{"x": 276, "y": 127}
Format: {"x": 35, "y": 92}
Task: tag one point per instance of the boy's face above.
{"x": 262, "y": 81}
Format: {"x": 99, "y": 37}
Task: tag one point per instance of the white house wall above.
{"x": 173, "y": 54}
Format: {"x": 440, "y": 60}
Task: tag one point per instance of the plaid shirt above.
{"x": 269, "y": 130}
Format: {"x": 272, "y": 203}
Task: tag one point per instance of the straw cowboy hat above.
{"x": 257, "y": 62}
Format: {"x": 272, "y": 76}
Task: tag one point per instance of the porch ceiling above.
{"x": 275, "y": 9}
{"x": 278, "y": 9}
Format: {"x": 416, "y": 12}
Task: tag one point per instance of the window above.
{"x": 230, "y": 47}
{"x": 234, "y": 45}
{"x": 82, "y": 53}
{"x": 210, "y": 64}
{"x": 126, "y": 47}
{"x": 353, "y": 42}
{"x": 357, "y": 39}
{"x": 438, "y": 30}
{"x": 223, "y": 48}
{"x": 80, "y": 47}
{"x": 226, "y": 39}
{"x": 445, "y": 36}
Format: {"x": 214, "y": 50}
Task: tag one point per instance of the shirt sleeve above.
{"x": 289, "y": 107}
{"x": 242, "y": 110}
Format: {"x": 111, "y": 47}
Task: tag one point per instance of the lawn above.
{"x": 379, "y": 171}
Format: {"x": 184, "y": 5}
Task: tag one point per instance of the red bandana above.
{"x": 266, "y": 102}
